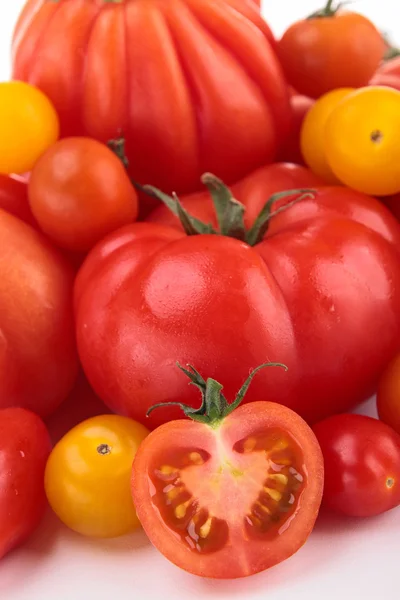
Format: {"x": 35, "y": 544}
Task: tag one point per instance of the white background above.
{"x": 344, "y": 558}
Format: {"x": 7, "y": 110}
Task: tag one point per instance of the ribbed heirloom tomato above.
{"x": 231, "y": 492}
{"x": 192, "y": 85}
{"x": 309, "y": 287}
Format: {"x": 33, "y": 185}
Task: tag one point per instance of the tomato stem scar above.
{"x": 104, "y": 449}
{"x": 389, "y": 482}
{"x": 376, "y": 136}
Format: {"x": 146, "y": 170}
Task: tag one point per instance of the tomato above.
{"x": 38, "y": 359}
{"x": 329, "y": 50}
{"x": 312, "y": 288}
{"x": 232, "y": 492}
{"x": 168, "y": 93}
{"x": 390, "y": 67}
{"x": 28, "y": 125}
{"x": 362, "y": 145}
{"x": 14, "y": 198}
{"x": 79, "y": 191}
{"x": 87, "y": 478}
{"x": 312, "y": 135}
{"x": 381, "y": 79}
{"x": 291, "y": 151}
{"x": 388, "y": 395}
{"x": 362, "y": 465}
{"x": 24, "y": 448}
{"x": 393, "y": 204}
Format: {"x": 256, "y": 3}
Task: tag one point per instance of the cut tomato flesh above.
{"x": 250, "y": 490}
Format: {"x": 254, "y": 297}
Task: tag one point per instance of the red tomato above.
{"x": 170, "y": 94}
{"x": 332, "y": 49}
{"x": 14, "y": 198}
{"x": 393, "y": 204}
{"x": 79, "y": 192}
{"x": 262, "y": 457}
{"x": 390, "y": 67}
{"x": 388, "y": 396}
{"x": 38, "y": 361}
{"x": 291, "y": 151}
{"x": 305, "y": 295}
{"x": 362, "y": 465}
{"x": 388, "y": 80}
{"x": 24, "y": 448}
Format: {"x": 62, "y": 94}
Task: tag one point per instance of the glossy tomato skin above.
{"x": 79, "y": 192}
{"x": 362, "y": 465}
{"x": 38, "y": 359}
{"x": 14, "y": 198}
{"x": 304, "y": 296}
{"x": 24, "y": 448}
{"x": 388, "y": 395}
{"x": 220, "y": 445}
{"x": 194, "y": 50}
{"x": 291, "y": 152}
{"x": 325, "y": 53}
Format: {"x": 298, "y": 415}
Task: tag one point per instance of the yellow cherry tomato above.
{"x": 28, "y": 124}
{"x": 362, "y": 138}
{"x": 312, "y": 136}
{"x": 88, "y": 475}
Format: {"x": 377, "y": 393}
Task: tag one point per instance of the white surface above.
{"x": 346, "y": 559}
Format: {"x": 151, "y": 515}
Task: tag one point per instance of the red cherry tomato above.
{"x": 14, "y": 198}
{"x": 24, "y": 449}
{"x": 388, "y": 396}
{"x": 232, "y": 495}
{"x": 362, "y": 465}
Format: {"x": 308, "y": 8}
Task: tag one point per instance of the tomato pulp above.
{"x": 230, "y": 497}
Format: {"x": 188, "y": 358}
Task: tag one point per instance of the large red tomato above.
{"x": 38, "y": 361}
{"x": 320, "y": 293}
{"x": 229, "y": 494}
{"x": 24, "y": 449}
{"x": 192, "y": 85}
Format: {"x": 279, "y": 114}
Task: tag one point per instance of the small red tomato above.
{"x": 24, "y": 449}
{"x": 388, "y": 396}
{"x": 14, "y": 198}
{"x": 362, "y": 465}
{"x": 79, "y": 192}
{"x": 291, "y": 152}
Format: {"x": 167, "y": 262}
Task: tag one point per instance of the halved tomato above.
{"x": 230, "y": 492}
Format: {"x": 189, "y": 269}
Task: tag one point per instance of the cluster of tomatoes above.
{"x": 298, "y": 261}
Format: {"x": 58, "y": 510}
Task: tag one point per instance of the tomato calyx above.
{"x": 117, "y": 146}
{"x": 214, "y": 407}
{"x": 229, "y": 211}
{"x": 329, "y": 10}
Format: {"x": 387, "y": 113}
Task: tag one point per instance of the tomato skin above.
{"x": 242, "y": 558}
{"x": 87, "y": 478}
{"x": 321, "y": 54}
{"x": 390, "y": 67}
{"x": 388, "y": 395}
{"x": 79, "y": 192}
{"x": 24, "y": 448}
{"x": 14, "y": 198}
{"x": 362, "y": 465}
{"x": 291, "y": 152}
{"x": 36, "y": 320}
{"x": 133, "y": 324}
{"x": 388, "y": 80}
{"x": 192, "y": 126}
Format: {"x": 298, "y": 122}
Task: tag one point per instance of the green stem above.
{"x": 214, "y": 406}
{"x": 329, "y": 10}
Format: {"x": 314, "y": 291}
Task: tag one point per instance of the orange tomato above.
{"x": 362, "y": 141}
{"x": 312, "y": 139}
{"x": 88, "y": 473}
{"x": 28, "y": 124}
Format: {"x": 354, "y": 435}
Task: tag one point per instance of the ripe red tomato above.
{"x": 24, "y": 448}
{"x": 388, "y": 396}
{"x": 169, "y": 93}
{"x": 291, "y": 151}
{"x": 14, "y": 198}
{"x": 393, "y": 204}
{"x": 362, "y": 465}
{"x": 332, "y": 49}
{"x": 38, "y": 360}
{"x": 79, "y": 192}
{"x": 262, "y": 457}
{"x": 149, "y": 295}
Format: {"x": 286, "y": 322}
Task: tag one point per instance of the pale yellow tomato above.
{"x": 312, "y": 137}
{"x": 88, "y": 474}
{"x": 362, "y": 141}
{"x": 28, "y": 126}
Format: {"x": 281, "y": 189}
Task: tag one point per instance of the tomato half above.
{"x": 87, "y": 477}
{"x": 230, "y": 497}
{"x": 362, "y": 465}
{"x": 24, "y": 448}
{"x": 388, "y": 395}
{"x": 79, "y": 191}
